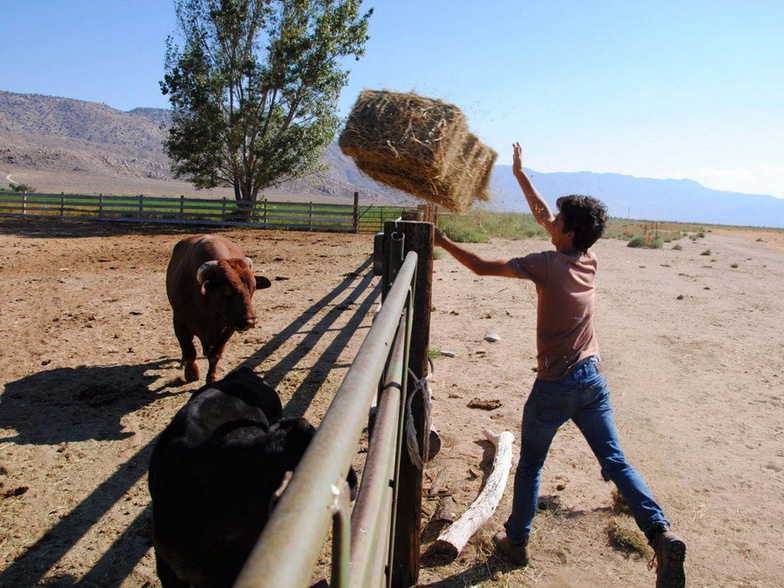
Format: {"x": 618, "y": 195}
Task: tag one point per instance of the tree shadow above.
{"x": 66, "y": 228}
{"x": 76, "y": 404}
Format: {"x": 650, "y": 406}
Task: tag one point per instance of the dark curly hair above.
{"x": 586, "y": 216}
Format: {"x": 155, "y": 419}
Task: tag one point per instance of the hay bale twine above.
{"x": 419, "y": 145}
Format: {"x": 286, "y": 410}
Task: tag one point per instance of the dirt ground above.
{"x": 692, "y": 345}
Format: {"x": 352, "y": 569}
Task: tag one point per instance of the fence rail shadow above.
{"x": 115, "y": 391}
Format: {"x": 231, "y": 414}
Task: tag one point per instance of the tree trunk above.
{"x": 246, "y": 199}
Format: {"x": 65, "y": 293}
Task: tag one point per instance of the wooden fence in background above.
{"x": 304, "y": 216}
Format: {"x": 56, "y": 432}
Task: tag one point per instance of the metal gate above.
{"x": 378, "y": 542}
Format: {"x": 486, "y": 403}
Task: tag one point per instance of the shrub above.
{"x": 678, "y": 247}
{"x": 648, "y": 241}
{"x": 637, "y": 241}
{"x": 706, "y": 252}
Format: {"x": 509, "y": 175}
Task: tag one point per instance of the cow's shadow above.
{"x": 76, "y": 404}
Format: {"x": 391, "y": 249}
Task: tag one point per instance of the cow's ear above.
{"x": 262, "y": 282}
{"x": 203, "y": 289}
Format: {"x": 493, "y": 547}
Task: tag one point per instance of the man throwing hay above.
{"x": 569, "y": 382}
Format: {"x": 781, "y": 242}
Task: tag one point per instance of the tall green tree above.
{"x": 254, "y": 88}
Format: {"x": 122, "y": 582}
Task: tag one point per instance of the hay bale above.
{"x": 419, "y": 145}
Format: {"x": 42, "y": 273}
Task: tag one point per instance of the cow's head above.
{"x": 230, "y": 284}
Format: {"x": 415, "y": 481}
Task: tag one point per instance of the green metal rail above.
{"x": 288, "y": 549}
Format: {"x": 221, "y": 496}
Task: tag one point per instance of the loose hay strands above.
{"x": 626, "y": 538}
{"x": 418, "y": 145}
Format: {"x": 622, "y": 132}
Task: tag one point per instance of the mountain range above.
{"x": 645, "y": 198}
{"x": 65, "y": 145}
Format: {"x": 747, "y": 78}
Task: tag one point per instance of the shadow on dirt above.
{"x": 64, "y": 228}
{"x": 69, "y": 405}
{"x": 75, "y": 404}
{"x": 344, "y": 297}
{"x": 484, "y": 571}
{"x": 117, "y": 563}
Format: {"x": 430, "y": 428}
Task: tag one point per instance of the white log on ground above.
{"x": 452, "y": 541}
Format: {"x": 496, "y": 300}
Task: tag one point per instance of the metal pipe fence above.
{"x": 378, "y": 544}
{"x": 288, "y": 549}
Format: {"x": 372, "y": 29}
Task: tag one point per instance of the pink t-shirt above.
{"x": 566, "y": 294}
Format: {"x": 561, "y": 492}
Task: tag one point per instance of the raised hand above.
{"x": 517, "y": 159}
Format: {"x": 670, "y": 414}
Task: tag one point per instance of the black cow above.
{"x": 213, "y": 473}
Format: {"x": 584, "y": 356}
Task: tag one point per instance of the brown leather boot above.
{"x": 517, "y": 554}
{"x": 669, "y": 553}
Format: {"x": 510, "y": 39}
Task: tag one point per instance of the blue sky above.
{"x": 656, "y": 88}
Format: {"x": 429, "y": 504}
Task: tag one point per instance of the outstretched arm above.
{"x": 536, "y": 203}
{"x": 477, "y": 264}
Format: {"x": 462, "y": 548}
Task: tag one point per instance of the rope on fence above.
{"x": 422, "y": 386}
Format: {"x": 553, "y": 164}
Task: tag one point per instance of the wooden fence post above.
{"x": 408, "y": 508}
{"x": 356, "y": 212}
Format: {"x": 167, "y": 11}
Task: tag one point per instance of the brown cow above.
{"x": 209, "y": 283}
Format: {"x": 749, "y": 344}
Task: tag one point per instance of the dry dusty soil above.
{"x": 692, "y": 344}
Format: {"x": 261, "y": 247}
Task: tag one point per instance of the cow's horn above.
{"x": 249, "y": 261}
{"x": 203, "y": 268}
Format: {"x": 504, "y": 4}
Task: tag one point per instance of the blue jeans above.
{"x": 583, "y": 396}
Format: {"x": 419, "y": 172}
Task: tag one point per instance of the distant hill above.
{"x": 76, "y": 141}
{"x": 65, "y": 145}
{"x": 644, "y": 198}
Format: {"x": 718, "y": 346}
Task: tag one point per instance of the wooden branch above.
{"x": 445, "y": 511}
{"x": 452, "y": 541}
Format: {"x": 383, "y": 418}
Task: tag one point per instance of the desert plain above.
{"x": 691, "y": 341}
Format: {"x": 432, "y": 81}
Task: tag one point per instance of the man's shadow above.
{"x": 76, "y": 404}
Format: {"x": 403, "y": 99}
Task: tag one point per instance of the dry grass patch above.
{"x": 626, "y": 537}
